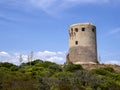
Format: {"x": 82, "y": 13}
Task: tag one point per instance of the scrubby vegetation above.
{"x": 44, "y": 75}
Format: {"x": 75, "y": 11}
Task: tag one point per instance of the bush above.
{"x": 36, "y": 62}
{"x": 14, "y": 68}
{"x": 54, "y": 68}
{"x": 72, "y": 67}
{"x": 62, "y": 81}
{"x": 109, "y": 69}
{"x": 6, "y": 64}
{"x": 42, "y": 83}
{"x": 109, "y": 86}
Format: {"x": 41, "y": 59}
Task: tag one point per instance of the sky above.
{"x": 42, "y": 26}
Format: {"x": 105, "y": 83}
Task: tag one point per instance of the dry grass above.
{"x": 94, "y": 66}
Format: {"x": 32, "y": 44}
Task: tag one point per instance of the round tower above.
{"x": 82, "y": 44}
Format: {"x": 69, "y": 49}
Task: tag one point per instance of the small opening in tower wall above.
{"x": 76, "y": 42}
{"x": 83, "y": 29}
{"x": 76, "y": 29}
{"x": 93, "y": 30}
{"x": 71, "y": 29}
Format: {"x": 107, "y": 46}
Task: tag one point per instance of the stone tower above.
{"x": 82, "y": 44}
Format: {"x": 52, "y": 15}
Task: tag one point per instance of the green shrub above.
{"x": 110, "y": 69}
{"x": 7, "y": 65}
{"x": 14, "y": 68}
{"x": 72, "y": 67}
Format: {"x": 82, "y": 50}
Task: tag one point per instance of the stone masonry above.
{"x": 82, "y": 44}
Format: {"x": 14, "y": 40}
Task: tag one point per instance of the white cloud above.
{"x": 51, "y": 6}
{"x": 117, "y": 62}
{"x": 88, "y": 1}
{"x": 57, "y": 57}
{"x": 46, "y": 53}
{"x": 114, "y": 32}
{"x": 5, "y": 18}
{"x": 4, "y": 54}
{"x": 43, "y": 3}
{"x": 113, "y": 35}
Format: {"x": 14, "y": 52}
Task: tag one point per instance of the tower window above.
{"x": 76, "y": 42}
{"x": 83, "y": 29}
{"x": 93, "y": 30}
{"x": 76, "y": 29}
{"x": 71, "y": 29}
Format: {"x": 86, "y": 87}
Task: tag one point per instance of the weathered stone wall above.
{"x": 82, "y": 55}
{"x": 82, "y": 44}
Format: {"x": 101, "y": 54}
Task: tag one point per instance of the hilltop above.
{"x": 96, "y": 66}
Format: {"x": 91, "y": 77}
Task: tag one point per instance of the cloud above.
{"x": 6, "y": 57}
{"x": 116, "y": 62}
{"x": 53, "y": 6}
{"x": 57, "y": 57}
{"x": 12, "y": 3}
{"x": 6, "y": 18}
{"x": 114, "y": 32}
{"x": 50, "y": 6}
{"x": 4, "y": 54}
{"x": 114, "y": 35}
{"x": 109, "y": 57}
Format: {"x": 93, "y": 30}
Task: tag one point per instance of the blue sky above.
{"x": 42, "y": 26}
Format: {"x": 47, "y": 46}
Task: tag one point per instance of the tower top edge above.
{"x": 82, "y": 24}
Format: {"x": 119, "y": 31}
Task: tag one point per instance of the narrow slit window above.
{"x": 71, "y": 29}
{"x": 93, "y": 30}
{"x": 76, "y": 29}
{"x": 76, "y": 42}
{"x": 83, "y": 29}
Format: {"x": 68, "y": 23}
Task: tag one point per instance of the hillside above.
{"x": 44, "y": 75}
{"x": 95, "y": 66}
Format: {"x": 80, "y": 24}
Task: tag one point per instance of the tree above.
{"x": 20, "y": 58}
{"x": 30, "y": 57}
